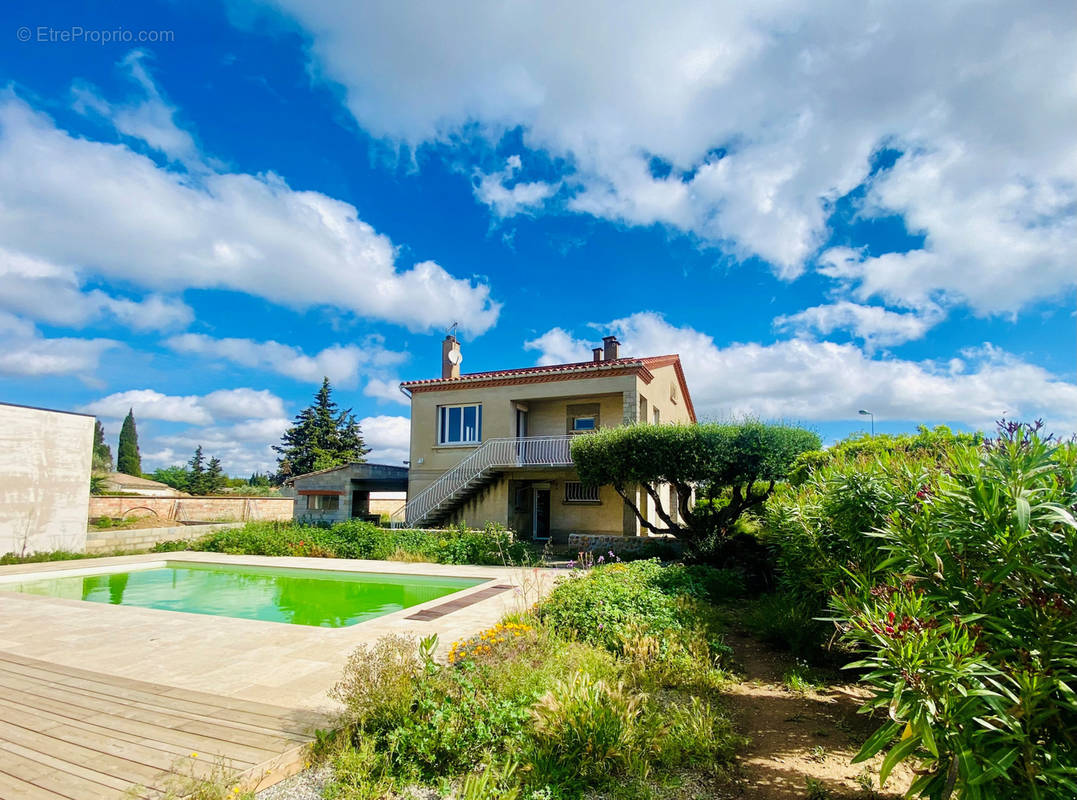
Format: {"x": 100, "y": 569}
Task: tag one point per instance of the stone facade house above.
{"x": 495, "y": 446}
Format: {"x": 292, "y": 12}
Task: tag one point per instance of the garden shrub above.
{"x": 379, "y": 683}
{"x": 527, "y": 709}
{"x": 791, "y": 623}
{"x": 38, "y": 557}
{"x": 612, "y": 602}
{"x": 969, "y": 627}
{"x": 494, "y": 544}
{"x": 586, "y": 731}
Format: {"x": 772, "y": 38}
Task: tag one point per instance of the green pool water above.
{"x": 324, "y": 598}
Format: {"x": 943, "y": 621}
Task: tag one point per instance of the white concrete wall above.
{"x": 44, "y": 479}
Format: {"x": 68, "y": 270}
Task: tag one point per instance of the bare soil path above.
{"x": 801, "y": 743}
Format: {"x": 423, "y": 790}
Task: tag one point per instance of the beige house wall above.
{"x": 429, "y": 460}
{"x": 617, "y": 398}
{"x": 497, "y": 503}
{"x": 44, "y": 479}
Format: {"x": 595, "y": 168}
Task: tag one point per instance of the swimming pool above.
{"x": 322, "y": 598}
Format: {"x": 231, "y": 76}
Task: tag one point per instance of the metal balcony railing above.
{"x": 491, "y": 456}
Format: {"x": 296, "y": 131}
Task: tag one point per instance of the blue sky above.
{"x": 822, "y": 207}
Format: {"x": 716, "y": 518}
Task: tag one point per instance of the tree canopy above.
{"x": 727, "y": 468}
{"x": 320, "y": 438}
{"x": 102, "y": 453}
{"x": 128, "y": 459}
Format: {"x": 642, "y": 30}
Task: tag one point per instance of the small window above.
{"x": 673, "y": 393}
{"x": 584, "y": 423}
{"x": 323, "y": 502}
{"x": 643, "y": 409}
{"x": 576, "y": 492}
{"x": 460, "y": 424}
{"x": 657, "y": 417}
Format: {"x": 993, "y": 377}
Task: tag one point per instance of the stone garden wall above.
{"x": 192, "y": 509}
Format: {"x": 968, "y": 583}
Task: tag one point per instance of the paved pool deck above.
{"x": 97, "y": 698}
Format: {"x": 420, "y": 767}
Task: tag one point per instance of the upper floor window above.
{"x": 582, "y": 417}
{"x": 588, "y": 423}
{"x": 460, "y": 424}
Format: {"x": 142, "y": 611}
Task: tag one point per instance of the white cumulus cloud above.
{"x": 340, "y": 363}
{"x": 742, "y": 123}
{"x": 809, "y": 381}
{"x": 112, "y": 213}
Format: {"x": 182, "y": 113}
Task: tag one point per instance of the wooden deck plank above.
{"x": 51, "y": 761}
{"x": 171, "y": 740}
{"x": 75, "y": 735}
{"x": 206, "y": 699}
{"x": 146, "y": 759}
{"x": 53, "y": 782}
{"x": 79, "y": 755}
{"x": 14, "y": 789}
{"x": 278, "y": 723}
{"x": 224, "y": 730}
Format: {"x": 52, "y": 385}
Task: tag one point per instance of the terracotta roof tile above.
{"x": 580, "y": 369}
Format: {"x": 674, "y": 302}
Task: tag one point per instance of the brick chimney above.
{"x": 596, "y": 353}
{"x": 610, "y": 345}
{"x": 450, "y": 357}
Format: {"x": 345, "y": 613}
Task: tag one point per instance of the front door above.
{"x": 541, "y": 514}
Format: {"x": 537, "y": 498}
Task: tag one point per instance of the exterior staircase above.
{"x": 481, "y": 468}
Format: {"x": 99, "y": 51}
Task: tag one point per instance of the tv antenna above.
{"x": 452, "y": 329}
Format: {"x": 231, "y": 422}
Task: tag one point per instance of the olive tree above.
{"x": 728, "y": 468}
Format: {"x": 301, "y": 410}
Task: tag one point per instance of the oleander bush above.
{"x": 968, "y": 625}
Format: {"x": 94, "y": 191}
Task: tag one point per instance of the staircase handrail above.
{"x": 493, "y": 453}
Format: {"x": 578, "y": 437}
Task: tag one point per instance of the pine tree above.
{"x": 214, "y": 477}
{"x": 102, "y": 453}
{"x": 128, "y": 459}
{"x": 196, "y": 472}
{"x": 320, "y": 438}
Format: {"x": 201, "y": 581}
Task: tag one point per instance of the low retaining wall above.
{"x": 193, "y": 509}
{"x": 599, "y": 543}
{"x": 98, "y": 542}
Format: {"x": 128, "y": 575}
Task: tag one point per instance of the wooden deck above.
{"x": 71, "y": 733}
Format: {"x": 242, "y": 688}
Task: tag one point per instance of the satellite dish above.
{"x": 455, "y": 357}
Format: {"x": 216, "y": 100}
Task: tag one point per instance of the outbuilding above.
{"x": 350, "y": 491}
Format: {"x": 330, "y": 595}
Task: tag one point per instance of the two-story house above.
{"x": 495, "y": 446}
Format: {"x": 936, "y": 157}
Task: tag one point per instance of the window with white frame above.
{"x": 576, "y": 492}
{"x": 657, "y": 417}
{"x": 323, "y": 502}
{"x": 460, "y": 424}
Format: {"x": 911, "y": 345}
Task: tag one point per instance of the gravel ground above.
{"x": 305, "y": 785}
{"x": 308, "y": 784}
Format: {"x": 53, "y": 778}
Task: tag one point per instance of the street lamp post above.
{"x": 869, "y": 414}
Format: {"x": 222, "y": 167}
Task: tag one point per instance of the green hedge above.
{"x": 355, "y": 539}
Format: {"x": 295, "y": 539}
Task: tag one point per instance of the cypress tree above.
{"x": 102, "y": 453}
{"x": 128, "y": 459}
{"x": 320, "y": 438}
